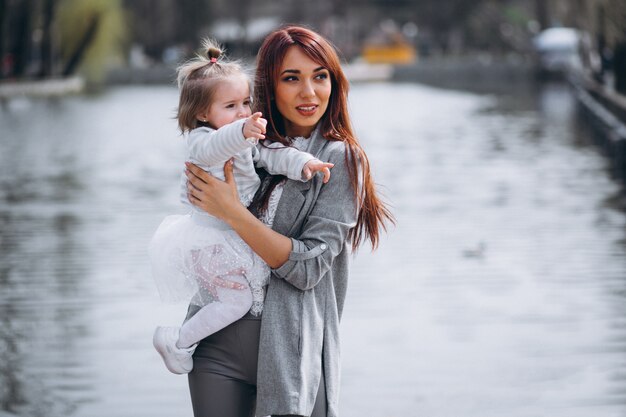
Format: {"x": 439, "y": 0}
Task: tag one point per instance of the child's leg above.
{"x": 230, "y": 305}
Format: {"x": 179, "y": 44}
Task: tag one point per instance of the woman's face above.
{"x": 302, "y": 92}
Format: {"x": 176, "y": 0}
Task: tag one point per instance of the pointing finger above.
{"x": 326, "y": 172}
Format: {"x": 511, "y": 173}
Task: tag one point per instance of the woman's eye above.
{"x": 230, "y": 106}
{"x": 290, "y": 78}
{"x": 322, "y": 76}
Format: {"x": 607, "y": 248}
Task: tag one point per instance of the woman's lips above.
{"x": 307, "y": 109}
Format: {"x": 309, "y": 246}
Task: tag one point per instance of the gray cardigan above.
{"x": 305, "y": 296}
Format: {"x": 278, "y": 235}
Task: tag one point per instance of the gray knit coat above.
{"x": 305, "y": 296}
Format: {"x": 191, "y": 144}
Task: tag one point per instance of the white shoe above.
{"x": 178, "y": 360}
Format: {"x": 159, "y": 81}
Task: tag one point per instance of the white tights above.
{"x": 231, "y": 305}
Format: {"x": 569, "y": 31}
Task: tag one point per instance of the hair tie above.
{"x": 213, "y": 60}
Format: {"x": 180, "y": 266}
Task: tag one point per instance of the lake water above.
{"x": 501, "y": 292}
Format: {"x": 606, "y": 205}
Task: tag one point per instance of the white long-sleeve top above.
{"x": 210, "y": 149}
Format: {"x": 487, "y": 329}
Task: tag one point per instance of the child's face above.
{"x": 230, "y": 102}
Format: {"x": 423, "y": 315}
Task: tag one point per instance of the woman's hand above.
{"x": 204, "y": 268}
{"x": 216, "y": 197}
{"x": 220, "y": 199}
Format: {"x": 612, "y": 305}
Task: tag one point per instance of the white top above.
{"x": 267, "y": 217}
{"x": 210, "y": 149}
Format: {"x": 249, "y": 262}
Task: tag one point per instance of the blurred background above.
{"x": 48, "y": 38}
{"x": 496, "y": 131}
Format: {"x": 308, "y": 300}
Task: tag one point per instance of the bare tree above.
{"x": 21, "y": 47}
{"x": 46, "y": 68}
{"x": 3, "y": 37}
{"x": 542, "y": 12}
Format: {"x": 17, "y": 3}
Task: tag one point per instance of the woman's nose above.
{"x": 307, "y": 89}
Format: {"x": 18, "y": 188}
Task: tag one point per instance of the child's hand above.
{"x": 254, "y": 126}
{"x": 315, "y": 165}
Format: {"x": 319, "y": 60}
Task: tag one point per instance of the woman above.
{"x": 301, "y": 89}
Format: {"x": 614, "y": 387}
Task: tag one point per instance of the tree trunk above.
{"x": 541, "y": 10}
{"x": 619, "y": 67}
{"x": 21, "y": 47}
{"x": 3, "y": 13}
{"x": 46, "y": 42}
{"x": 241, "y": 13}
{"x": 193, "y": 15}
{"x": 77, "y": 56}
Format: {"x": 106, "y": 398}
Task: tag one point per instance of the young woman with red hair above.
{"x": 314, "y": 227}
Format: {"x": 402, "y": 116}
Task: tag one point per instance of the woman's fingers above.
{"x": 197, "y": 175}
{"x": 224, "y": 283}
{"x": 195, "y": 188}
{"x": 213, "y": 195}
{"x": 197, "y": 181}
{"x": 193, "y": 199}
{"x": 192, "y": 170}
{"x": 228, "y": 172}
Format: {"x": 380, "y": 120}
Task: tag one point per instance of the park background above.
{"x": 501, "y": 291}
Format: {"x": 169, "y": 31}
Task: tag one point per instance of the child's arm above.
{"x": 279, "y": 159}
{"x": 217, "y": 146}
{"x": 314, "y": 166}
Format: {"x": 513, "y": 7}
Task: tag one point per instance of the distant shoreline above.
{"x": 42, "y": 88}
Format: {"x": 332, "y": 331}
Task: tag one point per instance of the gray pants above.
{"x": 223, "y": 380}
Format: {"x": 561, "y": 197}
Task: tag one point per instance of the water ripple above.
{"x": 500, "y": 292}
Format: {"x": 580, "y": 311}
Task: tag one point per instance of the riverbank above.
{"x": 484, "y": 73}
{"x": 479, "y": 74}
{"x": 42, "y": 88}
{"x": 606, "y": 111}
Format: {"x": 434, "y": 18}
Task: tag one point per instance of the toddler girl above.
{"x": 196, "y": 257}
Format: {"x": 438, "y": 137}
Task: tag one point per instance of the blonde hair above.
{"x": 197, "y": 81}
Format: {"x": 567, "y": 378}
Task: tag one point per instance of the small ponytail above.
{"x": 212, "y": 49}
{"x": 211, "y": 52}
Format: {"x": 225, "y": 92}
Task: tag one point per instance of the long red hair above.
{"x": 334, "y": 125}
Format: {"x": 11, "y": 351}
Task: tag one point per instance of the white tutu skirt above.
{"x": 191, "y": 254}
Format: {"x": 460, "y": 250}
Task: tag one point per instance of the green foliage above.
{"x": 72, "y": 22}
{"x": 515, "y": 15}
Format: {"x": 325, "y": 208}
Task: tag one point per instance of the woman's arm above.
{"x": 220, "y": 199}
{"x": 325, "y": 230}
{"x": 304, "y": 259}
